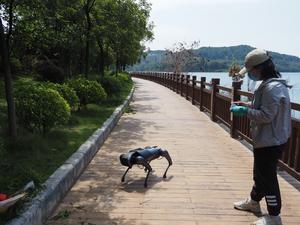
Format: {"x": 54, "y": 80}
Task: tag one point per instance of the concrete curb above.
{"x": 59, "y": 183}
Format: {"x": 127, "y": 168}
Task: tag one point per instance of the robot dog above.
{"x": 143, "y": 157}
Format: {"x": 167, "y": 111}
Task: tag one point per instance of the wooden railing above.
{"x": 216, "y": 100}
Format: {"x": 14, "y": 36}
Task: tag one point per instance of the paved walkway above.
{"x": 210, "y": 171}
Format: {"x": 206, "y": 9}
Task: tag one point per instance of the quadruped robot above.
{"x": 143, "y": 157}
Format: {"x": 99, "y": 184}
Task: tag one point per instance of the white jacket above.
{"x": 271, "y": 114}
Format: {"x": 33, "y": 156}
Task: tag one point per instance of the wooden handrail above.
{"x": 207, "y": 91}
{"x": 295, "y": 106}
{"x": 225, "y": 98}
{"x": 224, "y": 88}
{"x": 208, "y": 84}
{"x": 245, "y": 93}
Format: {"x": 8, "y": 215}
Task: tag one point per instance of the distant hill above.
{"x": 218, "y": 59}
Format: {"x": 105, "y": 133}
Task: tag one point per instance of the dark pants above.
{"x": 265, "y": 177}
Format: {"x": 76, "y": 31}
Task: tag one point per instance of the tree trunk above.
{"x": 87, "y": 47}
{"x": 10, "y": 24}
{"x": 81, "y": 58}
{"x": 11, "y": 112}
{"x": 117, "y": 66}
{"x": 101, "y": 58}
{"x": 88, "y": 7}
{"x": 68, "y": 64}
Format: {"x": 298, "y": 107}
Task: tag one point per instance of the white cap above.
{"x": 254, "y": 58}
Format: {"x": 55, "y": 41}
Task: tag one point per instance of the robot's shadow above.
{"x": 136, "y": 185}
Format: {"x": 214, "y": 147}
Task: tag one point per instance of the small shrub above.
{"x": 112, "y": 85}
{"x": 67, "y": 93}
{"x": 124, "y": 78}
{"x": 16, "y": 65}
{"x": 39, "y": 108}
{"x": 88, "y": 91}
{"x": 48, "y": 71}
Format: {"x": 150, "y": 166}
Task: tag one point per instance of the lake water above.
{"x": 292, "y": 78}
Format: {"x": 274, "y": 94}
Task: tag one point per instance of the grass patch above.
{"x": 62, "y": 215}
{"x": 35, "y": 156}
{"x": 129, "y": 109}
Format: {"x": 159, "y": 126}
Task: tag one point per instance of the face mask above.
{"x": 253, "y": 77}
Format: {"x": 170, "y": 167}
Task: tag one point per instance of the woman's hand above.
{"x": 238, "y": 110}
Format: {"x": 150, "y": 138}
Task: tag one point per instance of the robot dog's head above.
{"x": 127, "y": 159}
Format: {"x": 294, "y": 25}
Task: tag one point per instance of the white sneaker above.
{"x": 248, "y": 205}
{"x": 268, "y": 220}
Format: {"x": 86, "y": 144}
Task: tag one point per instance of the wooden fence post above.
{"x": 193, "y": 89}
{"x": 187, "y": 87}
{"x": 202, "y": 86}
{"x": 181, "y": 84}
{"x": 214, "y": 91}
{"x": 174, "y": 82}
{"x": 160, "y": 78}
{"x": 167, "y": 80}
{"x": 235, "y": 97}
{"x": 177, "y": 82}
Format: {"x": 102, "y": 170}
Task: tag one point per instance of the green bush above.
{"x": 88, "y": 91}
{"x": 15, "y": 65}
{"x": 63, "y": 89}
{"x": 48, "y": 71}
{"x": 40, "y": 108}
{"x": 24, "y": 82}
{"x": 124, "y": 78}
{"x": 112, "y": 85}
{"x": 67, "y": 93}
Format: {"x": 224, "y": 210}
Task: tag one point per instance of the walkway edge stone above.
{"x": 60, "y": 182}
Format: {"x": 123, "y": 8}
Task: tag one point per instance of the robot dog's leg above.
{"x": 146, "y": 179}
{"x": 123, "y": 177}
{"x": 141, "y": 161}
{"x": 168, "y": 157}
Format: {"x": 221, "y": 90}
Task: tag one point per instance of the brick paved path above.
{"x": 210, "y": 171}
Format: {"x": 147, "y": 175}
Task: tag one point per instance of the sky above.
{"x": 269, "y": 24}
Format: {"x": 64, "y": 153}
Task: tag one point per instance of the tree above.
{"x": 11, "y": 113}
{"x": 180, "y": 55}
{"x": 88, "y": 5}
{"x": 234, "y": 70}
{"x": 125, "y": 26}
{"x": 48, "y": 29}
{"x": 76, "y": 36}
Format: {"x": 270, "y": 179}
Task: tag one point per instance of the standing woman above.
{"x": 270, "y": 115}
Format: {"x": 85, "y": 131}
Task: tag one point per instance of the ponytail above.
{"x": 268, "y": 70}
